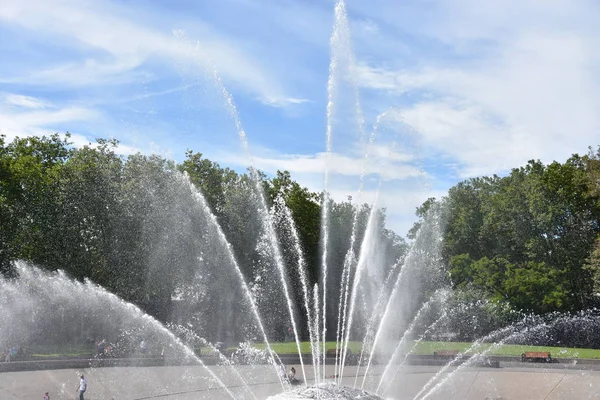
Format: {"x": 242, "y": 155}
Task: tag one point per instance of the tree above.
{"x": 8, "y": 223}
{"x": 306, "y": 212}
{"x": 535, "y": 287}
{"x": 464, "y": 220}
{"x": 539, "y": 221}
{"x": 592, "y": 267}
{"x": 569, "y": 217}
{"x": 421, "y": 212}
{"x": 30, "y": 174}
{"x": 139, "y": 227}
{"x": 209, "y": 178}
{"x": 592, "y": 165}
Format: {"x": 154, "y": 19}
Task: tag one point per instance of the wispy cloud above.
{"x": 111, "y": 48}
{"x": 24, "y": 116}
{"x": 282, "y": 102}
{"x": 22, "y": 101}
{"x": 79, "y": 141}
{"x": 382, "y": 162}
{"x": 527, "y": 89}
{"x": 32, "y": 118}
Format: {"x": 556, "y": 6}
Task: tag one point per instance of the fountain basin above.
{"x": 326, "y": 391}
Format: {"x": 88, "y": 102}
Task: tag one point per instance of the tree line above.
{"x": 527, "y": 242}
{"x": 530, "y": 239}
{"x": 132, "y": 225}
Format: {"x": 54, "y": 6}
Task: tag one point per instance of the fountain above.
{"x": 353, "y": 333}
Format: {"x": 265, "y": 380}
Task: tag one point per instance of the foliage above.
{"x": 527, "y": 241}
{"x": 137, "y": 226}
{"x": 528, "y": 238}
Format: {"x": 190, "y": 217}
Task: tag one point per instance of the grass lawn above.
{"x": 505, "y": 350}
{"x": 463, "y": 347}
{"x": 420, "y": 348}
{"x": 53, "y": 352}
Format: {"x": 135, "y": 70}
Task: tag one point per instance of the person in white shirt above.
{"x": 82, "y": 387}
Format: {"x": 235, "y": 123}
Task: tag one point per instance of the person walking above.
{"x": 82, "y": 387}
{"x": 46, "y": 396}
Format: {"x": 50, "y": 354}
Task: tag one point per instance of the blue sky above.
{"x": 476, "y": 87}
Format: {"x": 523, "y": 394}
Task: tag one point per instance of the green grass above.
{"x": 51, "y": 356}
{"x": 420, "y": 348}
{"x": 505, "y": 350}
{"x": 57, "y": 351}
{"x": 463, "y": 347}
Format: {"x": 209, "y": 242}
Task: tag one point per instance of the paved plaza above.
{"x": 187, "y": 383}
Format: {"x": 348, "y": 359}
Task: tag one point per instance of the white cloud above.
{"x": 387, "y": 152}
{"x": 24, "y": 116}
{"x": 388, "y": 165}
{"x": 529, "y": 87}
{"x": 282, "y": 102}
{"x": 52, "y": 117}
{"x": 24, "y": 101}
{"x": 116, "y": 49}
{"x": 397, "y": 81}
{"x": 30, "y": 116}
{"x": 42, "y": 122}
{"x": 79, "y": 141}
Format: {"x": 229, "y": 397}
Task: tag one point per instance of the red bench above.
{"x": 536, "y": 356}
{"x": 333, "y": 353}
{"x": 445, "y": 354}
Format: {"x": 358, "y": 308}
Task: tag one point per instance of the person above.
{"x": 101, "y": 347}
{"x": 46, "y": 396}
{"x": 82, "y": 387}
{"x": 292, "y": 377}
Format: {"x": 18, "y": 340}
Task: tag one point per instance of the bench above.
{"x": 536, "y": 356}
{"x": 339, "y": 352}
{"x": 351, "y": 359}
{"x": 445, "y": 354}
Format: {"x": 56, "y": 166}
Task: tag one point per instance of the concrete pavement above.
{"x": 195, "y": 382}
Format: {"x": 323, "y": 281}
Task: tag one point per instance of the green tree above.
{"x": 538, "y": 221}
{"x": 306, "y": 212}
{"x": 534, "y": 287}
{"x": 89, "y": 211}
{"x": 30, "y": 200}
{"x": 209, "y": 178}
{"x": 421, "y": 212}
{"x": 8, "y": 223}
{"x": 569, "y": 219}
{"x": 592, "y": 165}
{"x": 592, "y": 267}
{"x": 465, "y": 220}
